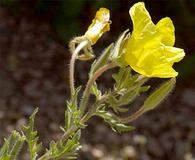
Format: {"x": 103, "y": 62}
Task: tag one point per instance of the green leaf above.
{"x": 119, "y": 49}
{"x": 12, "y": 146}
{"x": 129, "y": 95}
{"x": 75, "y": 97}
{"x": 68, "y": 118}
{"x": 113, "y": 122}
{"x": 58, "y": 150}
{"x": 159, "y": 95}
{"x": 126, "y": 89}
{"x": 31, "y": 137}
{"x": 122, "y": 78}
{"x": 95, "y": 91}
{"x": 72, "y": 113}
{"x": 102, "y": 60}
{"x": 144, "y": 89}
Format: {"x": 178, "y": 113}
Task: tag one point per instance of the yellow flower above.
{"x": 149, "y": 50}
{"x": 100, "y": 24}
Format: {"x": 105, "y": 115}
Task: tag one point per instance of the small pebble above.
{"x": 97, "y": 153}
{"x": 129, "y": 152}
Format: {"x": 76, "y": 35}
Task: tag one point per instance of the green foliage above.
{"x": 126, "y": 89}
{"x": 102, "y": 60}
{"x": 69, "y": 150}
{"x": 95, "y": 91}
{"x": 12, "y": 146}
{"x": 159, "y": 95}
{"x": 113, "y": 122}
{"x": 72, "y": 113}
{"x": 31, "y": 137}
{"x": 117, "y": 54}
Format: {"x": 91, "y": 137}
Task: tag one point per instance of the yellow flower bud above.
{"x": 149, "y": 50}
{"x": 100, "y": 24}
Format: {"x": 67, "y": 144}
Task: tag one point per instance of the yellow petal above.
{"x": 148, "y": 50}
{"x": 142, "y": 24}
{"x": 164, "y": 71}
{"x": 167, "y": 30}
{"x": 160, "y": 71}
{"x": 174, "y": 54}
{"x": 143, "y": 38}
{"x": 100, "y": 24}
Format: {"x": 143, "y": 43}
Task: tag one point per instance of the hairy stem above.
{"x": 72, "y": 65}
{"x": 93, "y": 108}
{"x": 90, "y": 82}
{"x": 68, "y": 133}
{"x": 66, "y": 136}
{"x": 74, "y": 128}
{"x": 132, "y": 117}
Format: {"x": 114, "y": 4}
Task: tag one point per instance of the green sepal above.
{"x": 159, "y": 95}
{"x": 87, "y": 49}
{"x": 119, "y": 49}
{"x": 102, "y": 60}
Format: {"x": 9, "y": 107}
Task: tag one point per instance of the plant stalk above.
{"x": 132, "y": 117}
{"x": 90, "y": 82}
{"x": 93, "y": 109}
{"x": 72, "y": 65}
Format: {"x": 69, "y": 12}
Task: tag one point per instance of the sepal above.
{"x": 159, "y": 95}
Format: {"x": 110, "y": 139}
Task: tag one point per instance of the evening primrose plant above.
{"x": 144, "y": 53}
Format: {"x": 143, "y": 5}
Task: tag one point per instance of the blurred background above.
{"x": 34, "y": 62}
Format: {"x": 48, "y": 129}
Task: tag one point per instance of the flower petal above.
{"x": 142, "y": 24}
{"x": 174, "y": 54}
{"x": 100, "y": 24}
{"x": 164, "y": 71}
{"x": 167, "y": 30}
{"x": 149, "y": 50}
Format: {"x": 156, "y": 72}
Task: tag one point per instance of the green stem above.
{"x": 72, "y": 64}
{"x": 74, "y": 128}
{"x": 66, "y": 135}
{"x": 84, "y": 119}
{"x": 132, "y": 117}
{"x": 90, "y": 82}
{"x": 93, "y": 109}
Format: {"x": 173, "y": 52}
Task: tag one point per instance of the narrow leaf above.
{"x": 102, "y": 60}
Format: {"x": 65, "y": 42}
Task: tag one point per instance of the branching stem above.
{"x": 93, "y": 109}
{"x": 90, "y": 82}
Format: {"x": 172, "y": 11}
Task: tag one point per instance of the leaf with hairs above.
{"x": 12, "y": 146}
{"x": 31, "y": 137}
